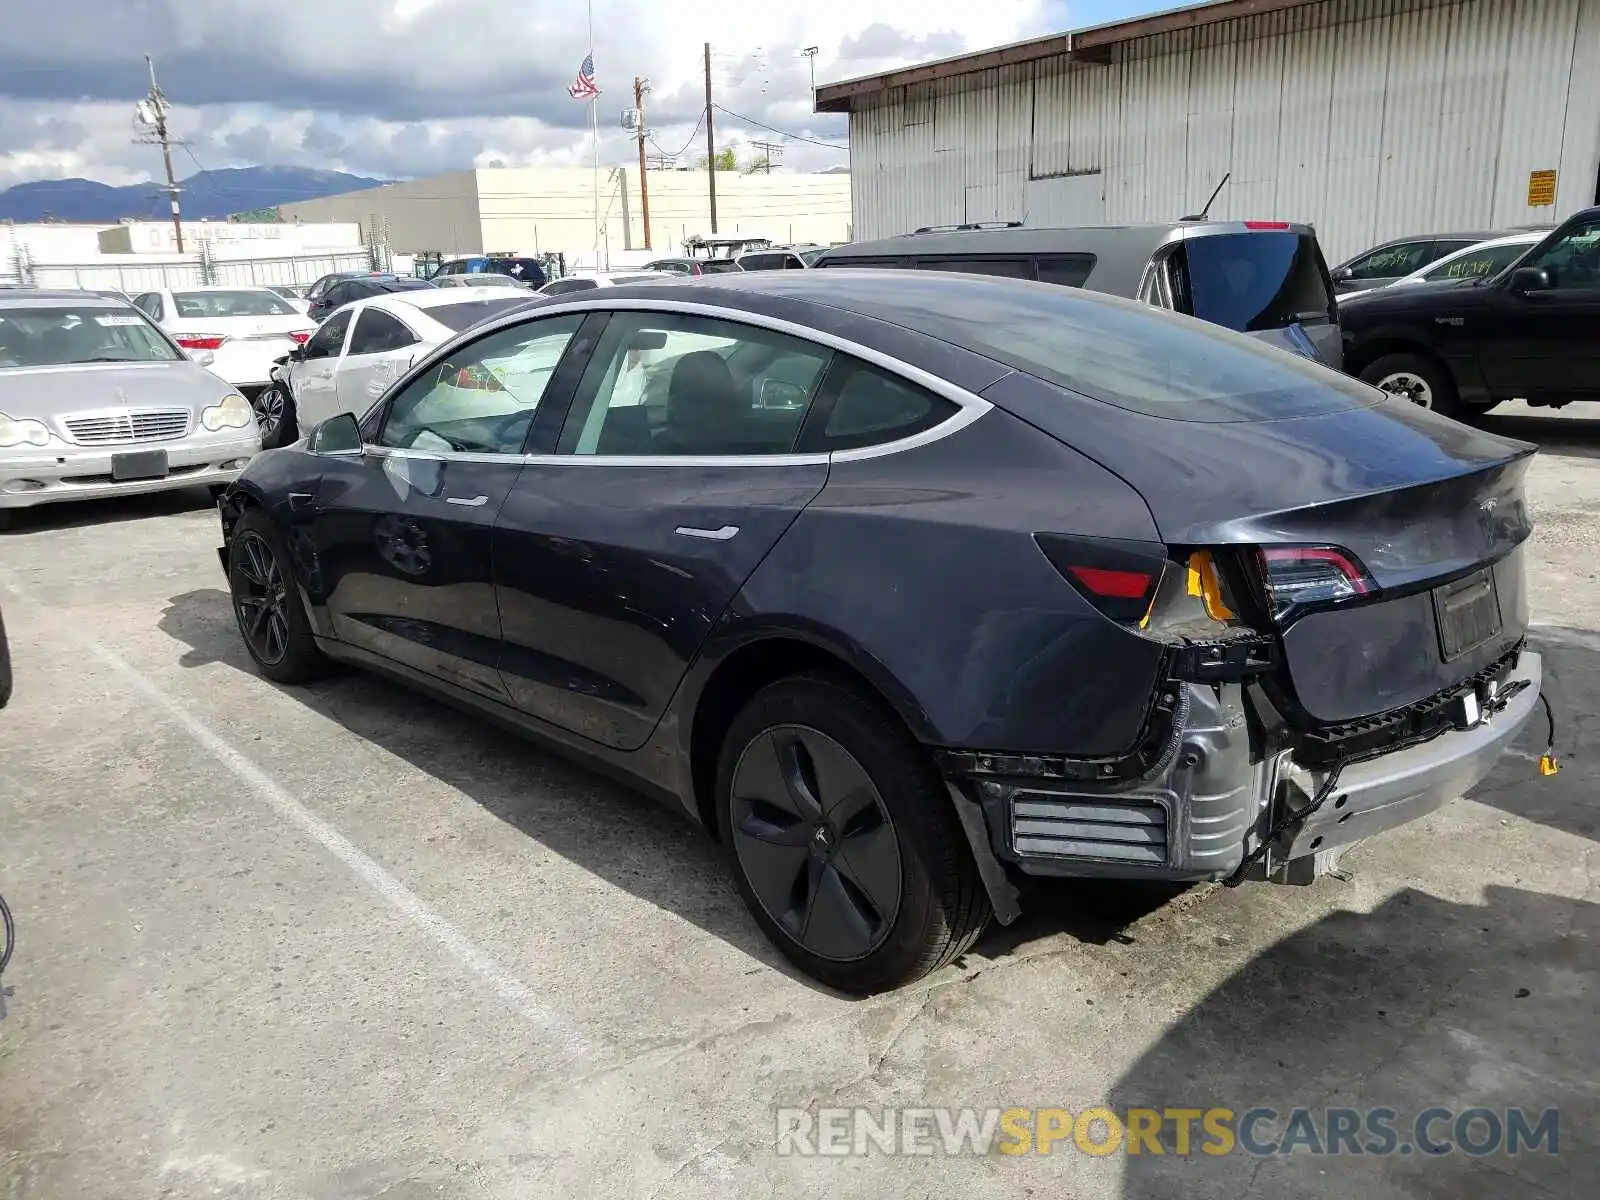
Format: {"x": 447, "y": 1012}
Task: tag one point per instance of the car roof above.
{"x": 1120, "y": 251}
{"x": 52, "y": 298}
{"x": 431, "y": 297}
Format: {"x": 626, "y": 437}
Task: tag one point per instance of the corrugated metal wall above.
{"x": 1369, "y": 118}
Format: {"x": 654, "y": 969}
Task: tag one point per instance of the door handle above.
{"x": 465, "y": 502}
{"x": 715, "y": 535}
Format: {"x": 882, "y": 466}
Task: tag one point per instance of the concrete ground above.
{"x": 345, "y": 942}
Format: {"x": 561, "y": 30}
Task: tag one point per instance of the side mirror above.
{"x": 339, "y": 434}
{"x": 1529, "y": 279}
{"x": 202, "y": 358}
{"x": 1342, "y": 274}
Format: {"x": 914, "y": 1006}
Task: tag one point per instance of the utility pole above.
{"x": 771, "y": 155}
{"x": 640, "y": 87}
{"x": 151, "y": 112}
{"x": 810, "y": 55}
{"x": 711, "y": 147}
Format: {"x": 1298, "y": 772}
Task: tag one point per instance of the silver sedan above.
{"x": 96, "y": 401}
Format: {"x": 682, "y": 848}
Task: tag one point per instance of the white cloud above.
{"x": 411, "y": 87}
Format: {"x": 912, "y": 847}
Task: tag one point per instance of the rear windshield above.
{"x": 470, "y": 312}
{"x": 1126, "y": 353}
{"x": 1254, "y": 281}
{"x": 246, "y": 302}
{"x": 48, "y": 337}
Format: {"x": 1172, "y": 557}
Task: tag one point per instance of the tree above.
{"x": 758, "y": 166}
{"x": 726, "y": 160}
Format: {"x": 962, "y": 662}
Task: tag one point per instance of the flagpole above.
{"x": 594, "y": 132}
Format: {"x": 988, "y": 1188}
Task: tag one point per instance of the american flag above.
{"x": 583, "y": 87}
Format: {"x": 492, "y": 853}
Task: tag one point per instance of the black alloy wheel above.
{"x": 261, "y": 599}
{"x": 267, "y": 605}
{"x": 816, "y": 842}
{"x": 842, "y": 836}
{"x": 274, "y": 416}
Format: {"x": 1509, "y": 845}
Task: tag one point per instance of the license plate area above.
{"x": 1467, "y": 613}
{"x": 139, "y": 464}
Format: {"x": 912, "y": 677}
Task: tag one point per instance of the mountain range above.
{"x": 209, "y": 194}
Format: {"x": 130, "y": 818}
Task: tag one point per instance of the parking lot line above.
{"x": 407, "y": 903}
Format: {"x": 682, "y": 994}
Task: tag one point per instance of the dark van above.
{"x": 1264, "y": 278}
{"x": 529, "y": 270}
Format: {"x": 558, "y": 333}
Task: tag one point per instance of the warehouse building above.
{"x": 1370, "y": 119}
{"x": 538, "y": 210}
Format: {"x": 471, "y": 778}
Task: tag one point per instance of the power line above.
{"x": 799, "y": 137}
{"x": 687, "y": 144}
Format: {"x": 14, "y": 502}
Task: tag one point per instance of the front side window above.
{"x": 672, "y": 384}
{"x": 1572, "y": 261}
{"x": 376, "y": 331}
{"x": 48, "y": 337}
{"x": 328, "y": 340}
{"x": 1477, "y": 264}
{"x": 1389, "y": 261}
{"x": 483, "y": 397}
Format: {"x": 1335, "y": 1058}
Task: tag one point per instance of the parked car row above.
{"x": 1229, "y": 616}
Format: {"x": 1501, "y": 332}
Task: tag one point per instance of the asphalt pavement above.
{"x": 343, "y": 941}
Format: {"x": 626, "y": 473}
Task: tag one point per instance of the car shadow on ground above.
{"x": 620, "y": 835}
{"x": 1419, "y": 1003}
{"x": 47, "y": 518}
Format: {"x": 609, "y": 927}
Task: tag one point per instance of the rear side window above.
{"x": 1068, "y": 270}
{"x": 470, "y": 312}
{"x": 870, "y": 407}
{"x": 1005, "y": 268}
{"x": 1252, "y": 281}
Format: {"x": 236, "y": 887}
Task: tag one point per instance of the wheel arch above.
{"x": 748, "y": 661}
{"x": 1369, "y": 352}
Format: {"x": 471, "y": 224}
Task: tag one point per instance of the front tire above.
{"x": 275, "y": 416}
{"x": 1423, "y": 382}
{"x": 266, "y": 603}
{"x": 842, "y": 839}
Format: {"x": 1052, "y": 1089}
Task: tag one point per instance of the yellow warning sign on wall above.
{"x": 1541, "y": 189}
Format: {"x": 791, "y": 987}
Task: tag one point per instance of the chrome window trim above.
{"x": 971, "y": 406}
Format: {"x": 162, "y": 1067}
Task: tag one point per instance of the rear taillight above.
{"x": 199, "y": 341}
{"x": 1118, "y": 577}
{"x": 1296, "y": 576}
{"x": 302, "y": 336}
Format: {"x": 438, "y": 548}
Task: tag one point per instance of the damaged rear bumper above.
{"x": 1204, "y": 805}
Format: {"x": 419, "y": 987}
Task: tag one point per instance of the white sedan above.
{"x": 586, "y": 283}
{"x": 245, "y": 329}
{"x": 364, "y": 347}
{"x": 1478, "y": 261}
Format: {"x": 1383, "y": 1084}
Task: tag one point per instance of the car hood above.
{"x": 1392, "y": 296}
{"x": 40, "y": 392}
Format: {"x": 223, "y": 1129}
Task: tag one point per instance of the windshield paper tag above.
{"x": 113, "y": 319}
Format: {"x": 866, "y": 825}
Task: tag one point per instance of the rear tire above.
{"x": 842, "y": 839}
{"x": 1422, "y": 381}
{"x": 266, "y": 603}
{"x": 275, "y": 416}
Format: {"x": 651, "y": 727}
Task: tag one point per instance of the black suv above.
{"x": 1264, "y": 278}
{"x": 1462, "y": 346}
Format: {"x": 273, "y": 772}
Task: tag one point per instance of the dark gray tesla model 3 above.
{"x": 910, "y": 584}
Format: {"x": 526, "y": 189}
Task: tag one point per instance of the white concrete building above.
{"x": 533, "y": 210}
{"x": 1370, "y": 119}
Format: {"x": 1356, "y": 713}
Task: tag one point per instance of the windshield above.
{"x": 246, "y": 302}
{"x": 1254, "y": 281}
{"x": 1478, "y": 263}
{"x": 470, "y": 312}
{"x": 49, "y": 337}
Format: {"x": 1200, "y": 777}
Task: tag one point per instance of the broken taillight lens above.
{"x": 1118, "y": 577}
{"x": 1297, "y": 576}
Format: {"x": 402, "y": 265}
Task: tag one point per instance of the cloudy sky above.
{"x": 402, "y": 88}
